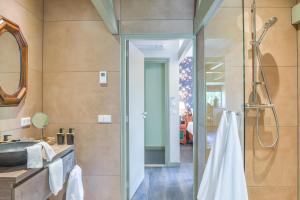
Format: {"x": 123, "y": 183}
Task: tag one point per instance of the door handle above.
{"x": 144, "y": 114}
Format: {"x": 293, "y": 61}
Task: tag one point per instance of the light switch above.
{"x": 104, "y": 119}
{"x": 103, "y": 78}
{"x": 25, "y": 121}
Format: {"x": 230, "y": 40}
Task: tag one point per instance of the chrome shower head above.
{"x": 270, "y": 22}
{"x": 268, "y": 25}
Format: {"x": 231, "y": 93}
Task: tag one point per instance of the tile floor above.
{"x": 174, "y": 183}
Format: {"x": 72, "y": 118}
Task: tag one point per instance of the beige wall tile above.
{"x": 280, "y": 43}
{"x": 102, "y": 187}
{"x": 268, "y": 4}
{"x": 271, "y": 167}
{"x": 80, "y": 46}
{"x": 59, "y": 10}
{"x": 157, "y": 9}
{"x": 36, "y": 7}
{"x": 77, "y": 45}
{"x": 22, "y": 133}
{"x": 98, "y": 150}
{"x": 272, "y": 173}
{"x": 157, "y": 27}
{"x": 71, "y": 97}
{"x": 272, "y": 193}
{"x": 282, "y": 82}
{"x": 97, "y": 147}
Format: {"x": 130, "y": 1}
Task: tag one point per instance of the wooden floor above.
{"x": 175, "y": 183}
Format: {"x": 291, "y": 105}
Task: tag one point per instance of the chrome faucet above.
{"x": 5, "y": 138}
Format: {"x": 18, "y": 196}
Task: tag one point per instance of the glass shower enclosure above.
{"x": 251, "y": 67}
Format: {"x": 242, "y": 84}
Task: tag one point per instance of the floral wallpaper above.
{"x": 186, "y": 84}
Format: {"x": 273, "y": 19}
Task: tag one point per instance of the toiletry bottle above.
{"x": 61, "y": 137}
{"x": 70, "y": 136}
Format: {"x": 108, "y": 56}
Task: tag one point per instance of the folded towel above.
{"x": 75, "y": 186}
{"x": 34, "y": 156}
{"x": 49, "y": 152}
{"x": 56, "y": 179}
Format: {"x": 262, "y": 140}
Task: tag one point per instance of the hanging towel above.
{"x": 34, "y": 156}
{"x": 56, "y": 179}
{"x": 224, "y": 176}
{"x": 211, "y": 174}
{"x": 49, "y": 152}
{"x": 232, "y": 182}
{"x": 75, "y": 186}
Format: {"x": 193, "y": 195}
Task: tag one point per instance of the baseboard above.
{"x": 173, "y": 164}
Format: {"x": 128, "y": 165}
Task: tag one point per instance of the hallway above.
{"x": 174, "y": 183}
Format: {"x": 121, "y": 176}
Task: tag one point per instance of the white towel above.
{"x": 232, "y": 181}
{"x": 49, "y": 152}
{"x": 212, "y": 169}
{"x": 224, "y": 176}
{"x": 34, "y": 156}
{"x": 56, "y": 179}
{"x": 75, "y": 186}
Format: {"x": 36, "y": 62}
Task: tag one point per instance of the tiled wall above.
{"x": 156, "y": 16}
{"x": 77, "y": 45}
{"x": 272, "y": 174}
{"x": 29, "y": 16}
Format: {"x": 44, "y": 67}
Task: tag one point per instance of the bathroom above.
{"x": 76, "y": 75}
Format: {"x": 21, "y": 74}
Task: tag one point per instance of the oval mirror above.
{"x": 40, "y": 120}
{"x": 10, "y": 66}
{"x": 13, "y": 63}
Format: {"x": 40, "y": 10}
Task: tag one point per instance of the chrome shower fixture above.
{"x": 259, "y": 80}
{"x": 267, "y": 26}
{"x": 271, "y": 22}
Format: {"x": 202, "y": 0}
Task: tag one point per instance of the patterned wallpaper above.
{"x": 186, "y": 83}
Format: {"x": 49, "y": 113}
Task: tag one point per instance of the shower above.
{"x": 259, "y": 80}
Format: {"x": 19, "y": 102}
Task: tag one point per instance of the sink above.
{"x": 14, "y": 153}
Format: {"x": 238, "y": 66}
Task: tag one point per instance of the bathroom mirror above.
{"x": 13, "y": 63}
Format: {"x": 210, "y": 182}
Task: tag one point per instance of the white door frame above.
{"x": 124, "y": 108}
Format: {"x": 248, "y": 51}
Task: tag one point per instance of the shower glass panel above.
{"x": 271, "y": 100}
{"x": 224, "y": 67}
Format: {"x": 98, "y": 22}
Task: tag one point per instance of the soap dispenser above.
{"x": 70, "y": 136}
{"x": 61, "y": 137}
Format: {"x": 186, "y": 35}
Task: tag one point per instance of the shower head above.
{"x": 270, "y": 22}
{"x": 267, "y": 25}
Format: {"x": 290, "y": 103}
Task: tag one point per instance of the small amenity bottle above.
{"x": 70, "y": 136}
{"x": 61, "y": 137}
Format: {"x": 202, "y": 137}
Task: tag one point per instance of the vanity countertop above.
{"x": 19, "y": 173}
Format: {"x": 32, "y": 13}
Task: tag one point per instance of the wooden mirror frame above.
{"x": 15, "y": 98}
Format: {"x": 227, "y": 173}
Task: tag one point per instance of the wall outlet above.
{"x": 104, "y": 119}
{"x": 25, "y": 121}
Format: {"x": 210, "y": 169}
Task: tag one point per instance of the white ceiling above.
{"x": 171, "y": 46}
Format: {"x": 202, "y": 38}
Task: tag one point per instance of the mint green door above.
{"x": 155, "y": 122}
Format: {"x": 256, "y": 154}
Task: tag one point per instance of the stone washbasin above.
{"x": 14, "y": 153}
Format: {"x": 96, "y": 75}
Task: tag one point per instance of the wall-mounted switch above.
{"x": 104, "y": 119}
{"x": 25, "y": 121}
{"x": 103, "y": 78}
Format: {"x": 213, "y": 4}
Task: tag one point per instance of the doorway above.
{"x": 156, "y": 120}
{"x": 151, "y": 121}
